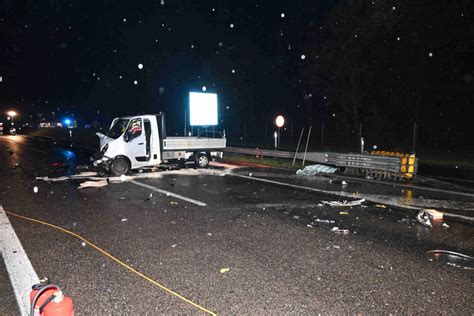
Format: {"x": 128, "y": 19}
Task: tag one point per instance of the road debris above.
{"x": 173, "y": 245}
{"x": 124, "y": 220}
{"x": 224, "y": 270}
{"x": 123, "y": 177}
{"x": 344, "y": 183}
{"x": 296, "y": 217}
{"x": 434, "y": 214}
{"x": 149, "y": 197}
{"x": 324, "y": 221}
{"x": 445, "y": 225}
{"x": 93, "y": 184}
{"x": 452, "y": 258}
{"x": 173, "y": 203}
{"x": 381, "y": 206}
{"x": 340, "y": 231}
{"x": 344, "y": 203}
{"x": 424, "y": 218}
{"x": 83, "y": 244}
{"x": 35, "y": 189}
{"x": 315, "y": 169}
{"x": 343, "y": 213}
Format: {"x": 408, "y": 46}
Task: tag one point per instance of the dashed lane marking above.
{"x": 168, "y": 193}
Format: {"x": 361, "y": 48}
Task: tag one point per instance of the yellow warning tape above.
{"x": 161, "y": 286}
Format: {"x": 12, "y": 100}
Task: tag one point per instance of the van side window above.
{"x": 135, "y": 128}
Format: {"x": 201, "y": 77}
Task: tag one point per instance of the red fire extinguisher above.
{"x": 48, "y": 300}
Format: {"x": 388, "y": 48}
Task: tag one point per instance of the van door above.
{"x": 135, "y": 143}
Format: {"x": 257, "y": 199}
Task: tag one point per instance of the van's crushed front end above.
{"x": 101, "y": 157}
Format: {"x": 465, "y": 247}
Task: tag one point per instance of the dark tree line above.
{"x": 383, "y": 66}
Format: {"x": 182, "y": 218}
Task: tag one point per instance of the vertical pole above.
{"x": 275, "y": 136}
{"x": 279, "y": 137}
{"x": 298, "y": 147}
{"x": 414, "y": 137}
{"x": 307, "y": 142}
{"x": 291, "y": 133}
{"x": 266, "y": 132}
{"x": 184, "y": 122}
{"x": 322, "y": 135}
{"x": 360, "y": 130}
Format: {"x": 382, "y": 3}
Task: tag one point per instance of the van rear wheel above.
{"x": 202, "y": 160}
{"x": 119, "y": 166}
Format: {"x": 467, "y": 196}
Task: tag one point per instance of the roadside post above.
{"x": 279, "y": 122}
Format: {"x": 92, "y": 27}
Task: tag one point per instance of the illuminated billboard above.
{"x": 202, "y": 109}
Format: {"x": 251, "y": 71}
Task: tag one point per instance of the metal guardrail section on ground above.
{"x": 379, "y": 164}
{"x": 376, "y": 164}
{"x": 364, "y": 161}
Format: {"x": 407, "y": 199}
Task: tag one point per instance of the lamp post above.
{"x": 279, "y": 122}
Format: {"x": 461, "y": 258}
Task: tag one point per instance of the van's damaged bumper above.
{"x": 101, "y": 160}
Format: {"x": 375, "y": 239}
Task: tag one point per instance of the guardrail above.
{"x": 389, "y": 165}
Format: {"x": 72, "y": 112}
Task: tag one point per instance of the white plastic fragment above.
{"x": 124, "y": 220}
{"x": 314, "y": 169}
{"x": 93, "y": 184}
{"x": 344, "y": 203}
{"x": 325, "y": 221}
{"x": 83, "y": 244}
{"x": 445, "y": 225}
{"x": 424, "y": 218}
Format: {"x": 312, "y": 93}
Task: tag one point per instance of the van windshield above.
{"x": 118, "y": 128}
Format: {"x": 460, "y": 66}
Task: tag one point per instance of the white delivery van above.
{"x": 140, "y": 141}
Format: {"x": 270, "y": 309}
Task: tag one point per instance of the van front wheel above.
{"x": 202, "y": 160}
{"x": 119, "y": 166}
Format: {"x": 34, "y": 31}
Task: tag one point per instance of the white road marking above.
{"x": 382, "y": 199}
{"x": 168, "y": 193}
{"x": 19, "y": 268}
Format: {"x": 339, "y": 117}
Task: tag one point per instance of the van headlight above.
{"x": 104, "y": 149}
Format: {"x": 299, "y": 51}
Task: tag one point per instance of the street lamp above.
{"x": 279, "y": 122}
{"x": 11, "y": 116}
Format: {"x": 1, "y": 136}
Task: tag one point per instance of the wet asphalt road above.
{"x": 281, "y": 259}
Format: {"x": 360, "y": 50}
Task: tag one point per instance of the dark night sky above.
{"x": 83, "y": 55}
{"x": 261, "y": 57}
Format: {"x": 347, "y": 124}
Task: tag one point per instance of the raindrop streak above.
{"x": 231, "y": 25}
{"x": 282, "y": 15}
{"x": 204, "y": 88}
{"x": 430, "y": 54}
{"x": 303, "y": 57}
{"x": 140, "y": 66}
{"x": 135, "y": 82}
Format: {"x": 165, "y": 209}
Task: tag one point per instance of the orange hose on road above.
{"x": 100, "y": 250}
